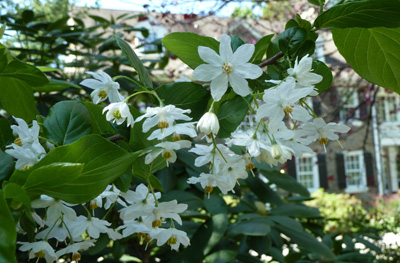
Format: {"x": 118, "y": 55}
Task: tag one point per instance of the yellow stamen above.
{"x": 250, "y": 166}
{"x": 18, "y": 142}
{"x": 102, "y": 94}
{"x": 288, "y": 111}
{"x": 117, "y": 114}
{"x": 26, "y": 167}
{"x": 93, "y": 204}
{"x": 76, "y": 256}
{"x": 172, "y": 240}
{"x": 176, "y": 137}
{"x": 163, "y": 124}
{"x": 323, "y": 140}
{"x": 40, "y": 254}
{"x": 167, "y": 155}
{"x": 156, "y": 223}
{"x": 227, "y": 67}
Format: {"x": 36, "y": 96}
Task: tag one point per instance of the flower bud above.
{"x": 276, "y": 151}
{"x": 208, "y": 123}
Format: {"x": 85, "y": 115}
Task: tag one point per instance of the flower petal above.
{"x": 218, "y": 87}
{"x": 239, "y": 85}
{"x": 210, "y": 56}
{"x": 206, "y": 72}
{"x": 243, "y": 54}
{"x": 248, "y": 71}
{"x": 225, "y": 49}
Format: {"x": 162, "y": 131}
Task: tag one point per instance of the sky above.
{"x": 182, "y": 6}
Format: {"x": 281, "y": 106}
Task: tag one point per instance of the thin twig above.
{"x": 370, "y": 116}
{"x": 271, "y": 60}
{"x": 115, "y": 138}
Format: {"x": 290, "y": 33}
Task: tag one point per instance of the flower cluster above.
{"x": 26, "y": 148}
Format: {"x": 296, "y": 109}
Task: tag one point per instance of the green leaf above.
{"x": 193, "y": 201}
{"x": 320, "y": 68}
{"x": 185, "y": 46}
{"x": 17, "y": 80}
{"x": 6, "y": 165}
{"x": 17, "y": 193}
{"x": 231, "y": 113}
{"x": 235, "y": 42}
{"x": 6, "y": 134}
{"x": 287, "y": 222}
{"x": 308, "y": 242}
{"x": 123, "y": 183}
{"x": 8, "y": 232}
{"x": 251, "y": 227}
{"x": 185, "y": 95}
{"x": 222, "y": 256}
{"x": 263, "y": 191}
{"x": 55, "y": 85}
{"x": 291, "y": 40}
{"x": 135, "y": 62}
{"x": 2, "y": 30}
{"x": 372, "y": 53}
{"x": 296, "y": 210}
{"x": 363, "y": 14}
{"x": 261, "y": 48}
{"x": 67, "y": 122}
{"x": 53, "y": 175}
{"x": 104, "y": 162}
{"x": 99, "y": 123}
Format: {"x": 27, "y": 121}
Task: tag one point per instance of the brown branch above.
{"x": 271, "y": 60}
{"x": 115, "y": 138}
{"x": 370, "y": 116}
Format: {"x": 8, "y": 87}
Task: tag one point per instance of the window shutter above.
{"x": 341, "y": 173}
{"x": 291, "y": 168}
{"x": 369, "y": 169}
{"x": 323, "y": 180}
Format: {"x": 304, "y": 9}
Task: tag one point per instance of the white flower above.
{"x": 131, "y": 227}
{"x": 27, "y": 137}
{"x": 171, "y": 236}
{"x": 59, "y": 231}
{"x": 94, "y": 227}
{"x": 207, "y": 181}
{"x": 163, "y": 117}
{"x": 227, "y": 67}
{"x": 208, "y": 123}
{"x": 176, "y": 129}
{"x": 40, "y": 249}
{"x": 302, "y": 73}
{"x": 55, "y": 208}
{"x": 103, "y": 87}
{"x": 165, "y": 210}
{"x": 253, "y": 141}
{"x": 276, "y": 151}
{"x": 281, "y": 101}
{"x": 208, "y": 154}
{"x": 26, "y": 156}
{"x": 167, "y": 151}
{"x": 111, "y": 193}
{"x": 74, "y": 248}
{"x": 322, "y": 132}
{"x": 119, "y": 112}
{"x": 292, "y": 139}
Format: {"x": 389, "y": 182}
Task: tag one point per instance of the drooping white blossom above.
{"x": 39, "y": 249}
{"x": 208, "y": 123}
{"x": 167, "y": 151}
{"x": 103, "y": 87}
{"x": 171, "y": 236}
{"x": 93, "y": 226}
{"x": 227, "y": 67}
{"x": 119, "y": 112}
{"x": 55, "y": 208}
{"x": 252, "y": 140}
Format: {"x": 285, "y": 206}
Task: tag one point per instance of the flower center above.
{"x": 117, "y": 114}
{"x": 18, "y": 142}
{"x": 288, "y": 111}
{"x": 40, "y": 254}
{"x": 76, "y": 256}
{"x": 176, "y": 137}
{"x": 93, "y": 204}
{"x": 208, "y": 189}
{"x": 162, "y": 124}
{"x": 167, "y": 155}
{"x": 156, "y": 223}
{"x": 227, "y": 67}
{"x": 323, "y": 140}
{"x": 250, "y": 166}
{"x": 172, "y": 240}
{"x": 26, "y": 167}
{"x": 102, "y": 94}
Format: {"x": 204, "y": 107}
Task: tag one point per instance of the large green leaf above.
{"x": 373, "y": 53}
{"x": 230, "y": 114}
{"x": 251, "y": 227}
{"x": 320, "y": 68}
{"x": 6, "y": 134}
{"x": 99, "y": 123}
{"x": 17, "y": 79}
{"x": 104, "y": 162}
{"x": 185, "y": 46}
{"x": 53, "y": 175}
{"x": 261, "y": 48}
{"x": 263, "y": 191}
{"x": 8, "y": 232}
{"x": 186, "y": 95}
{"x": 67, "y": 122}
{"x": 55, "y": 85}
{"x": 6, "y": 165}
{"x": 364, "y": 14}
{"x": 135, "y": 62}
{"x": 296, "y": 210}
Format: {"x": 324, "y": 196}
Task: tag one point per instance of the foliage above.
{"x": 81, "y": 154}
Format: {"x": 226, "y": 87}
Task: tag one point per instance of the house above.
{"x": 365, "y": 160}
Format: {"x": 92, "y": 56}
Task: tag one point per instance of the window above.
{"x": 148, "y": 47}
{"x": 388, "y": 108}
{"x": 307, "y": 171}
{"x": 350, "y": 103}
{"x": 355, "y": 172}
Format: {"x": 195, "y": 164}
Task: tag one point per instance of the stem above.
{"x": 215, "y": 147}
{"x": 152, "y": 191}
{"x": 43, "y": 138}
{"x": 130, "y": 79}
{"x": 271, "y": 60}
{"x": 147, "y": 92}
{"x": 47, "y": 235}
{"x": 302, "y": 102}
{"x": 69, "y": 233}
{"x": 109, "y": 210}
{"x": 87, "y": 210}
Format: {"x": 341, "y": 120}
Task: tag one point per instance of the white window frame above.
{"x": 349, "y": 96}
{"x": 315, "y": 171}
{"x": 362, "y": 184}
{"x": 387, "y": 115}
